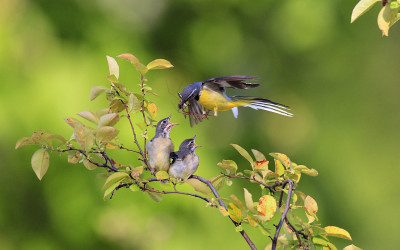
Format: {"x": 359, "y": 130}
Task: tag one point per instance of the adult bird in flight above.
{"x": 209, "y": 95}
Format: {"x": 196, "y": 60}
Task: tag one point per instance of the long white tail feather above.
{"x": 270, "y": 107}
{"x": 266, "y": 105}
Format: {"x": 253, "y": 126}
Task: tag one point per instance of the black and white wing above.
{"x": 236, "y": 82}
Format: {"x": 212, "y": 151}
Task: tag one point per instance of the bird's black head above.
{"x": 188, "y": 145}
{"x": 191, "y": 91}
{"x": 164, "y": 126}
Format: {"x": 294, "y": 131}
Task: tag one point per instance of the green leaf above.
{"x": 337, "y": 232}
{"x": 134, "y": 187}
{"x": 258, "y": 155}
{"x": 24, "y": 141}
{"x": 90, "y": 116}
{"x": 162, "y": 175}
{"x": 133, "y": 103}
{"x": 159, "y": 64}
{"x": 96, "y": 91}
{"x": 108, "y": 120}
{"x": 198, "y": 186}
{"x": 106, "y": 133}
{"x": 279, "y": 169}
{"x": 351, "y": 247}
{"x": 267, "y": 207}
{"x": 235, "y": 213}
{"x": 142, "y": 69}
{"x": 310, "y": 204}
{"x": 362, "y": 7}
{"x": 282, "y": 158}
{"x": 73, "y": 156}
{"x": 40, "y": 162}
{"x": 386, "y": 18}
{"x": 110, "y": 189}
{"x": 244, "y": 153}
{"x": 89, "y": 165}
{"x": 228, "y": 165}
{"x": 116, "y": 177}
{"x": 152, "y": 109}
{"x": 113, "y": 66}
{"x": 155, "y": 196}
{"x": 129, "y": 57}
{"x": 248, "y": 198}
{"x": 84, "y": 136}
{"x": 237, "y": 201}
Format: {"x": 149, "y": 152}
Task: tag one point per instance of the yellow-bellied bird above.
{"x": 160, "y": 147}
{"x": 185, "y": 161}
{"x": 201, "y": 97}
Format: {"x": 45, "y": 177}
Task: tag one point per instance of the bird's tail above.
{"x": 264, "y": 104}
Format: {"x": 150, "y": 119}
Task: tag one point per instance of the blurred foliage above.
{"x": 338, "y": 78}
{"x": 388, "y": 15}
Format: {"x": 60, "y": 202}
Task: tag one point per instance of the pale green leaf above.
{"x": 162, "y": 175}
{"x": 90, "y": 116}
{"x": 244, "y": 153}
{"x": 113, "y": 66}
{"x": 248, "y": 198}
{"x": 24, "y": 141}
{"x": 110, "y": 189}
{"x": 384, "y": 18}
{"x": 73, "y": 156}
{"x": 96, "y": 91}
{"x": 258, "y": 155}
{"x": 198, "y": 186}
{"x": 108, "y": 120}
{"x": 310, "y": 204}
{"x": 157, "y": 197}
{"x": 116, "y": 177}
{"x": 362, "y": 7}
{"x": 40, "y": 162}
{"x": 352, "y": 247}
{"x": 106, "y": 133}
{"x": 159, "y": 64}
{"x": 228, "y": 165}
{"x": 89, "y": 165}
{"x": 337, "y": 232}
{"x": 133, "y": 103}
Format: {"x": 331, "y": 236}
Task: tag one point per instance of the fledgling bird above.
{"x": 160, "y": 147}
{"x": 210, "y": 95}
{"x": 185, "y": 161}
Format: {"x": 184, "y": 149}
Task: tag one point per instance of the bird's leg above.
{"x": 215, "y": 111}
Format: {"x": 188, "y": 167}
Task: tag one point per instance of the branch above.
{"x": 133, "y": 132}
{"x": 221, "y": 203}
{"x": 270, "y": 187}
{"x": 283, "y": 217}
{"x": 84, "y": 153}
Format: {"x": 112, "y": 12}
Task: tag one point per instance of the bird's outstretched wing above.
{"x": 236, "y": 82}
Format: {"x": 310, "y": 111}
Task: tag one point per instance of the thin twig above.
{"x": 127, "y": 149}
{"x": 221, "y": 203}
{"x": 285, "y": 211}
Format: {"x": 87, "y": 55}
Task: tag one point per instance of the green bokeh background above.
{"x": 340, "y": 79}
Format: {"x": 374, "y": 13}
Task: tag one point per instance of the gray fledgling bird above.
{"x": 185, "y": 161}
{"x": 160, "y": 147}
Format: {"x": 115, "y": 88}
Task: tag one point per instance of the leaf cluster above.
{"x": 388, "y": 15}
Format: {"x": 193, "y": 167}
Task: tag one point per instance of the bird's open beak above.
{"x": 196, "y": 146}
{"x": 171, "y": 125}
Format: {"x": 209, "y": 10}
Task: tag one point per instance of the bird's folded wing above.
{"x": 236, "y": 82}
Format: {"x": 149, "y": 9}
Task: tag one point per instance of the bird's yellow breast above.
{"x": 214, "y": 100}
